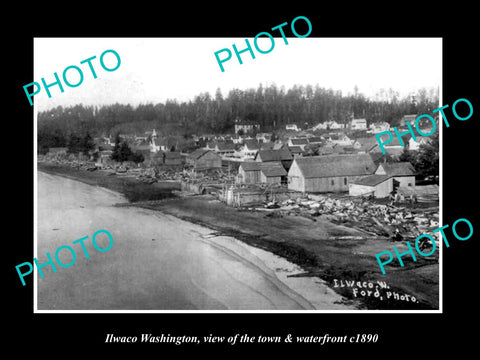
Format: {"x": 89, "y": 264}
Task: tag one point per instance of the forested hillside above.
{"x": 271, "y": 106}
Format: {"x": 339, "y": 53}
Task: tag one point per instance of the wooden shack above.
{"x": 203, "y": 159}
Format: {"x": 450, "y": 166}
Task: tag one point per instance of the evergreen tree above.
{"x": 427, "y": 162}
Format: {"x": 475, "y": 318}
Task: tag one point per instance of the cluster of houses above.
{"x": 356, "y": 174}
{"x": 335, "y": 160}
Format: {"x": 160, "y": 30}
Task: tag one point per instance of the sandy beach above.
{"x": 320, "y": 249}
{"x": 158, "y": 261}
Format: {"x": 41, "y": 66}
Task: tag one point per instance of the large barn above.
{"x": 329, "y": 173}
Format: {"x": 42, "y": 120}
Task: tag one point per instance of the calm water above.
{"x": 157, "y": 262}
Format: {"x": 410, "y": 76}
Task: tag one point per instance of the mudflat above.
{"x": 342, "y": 256}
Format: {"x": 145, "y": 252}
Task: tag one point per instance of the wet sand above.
{"x": 157, "y": 261}
{"x": 322, "y": 249}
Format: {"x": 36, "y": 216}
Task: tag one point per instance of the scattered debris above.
{"x": 396, "y": 223}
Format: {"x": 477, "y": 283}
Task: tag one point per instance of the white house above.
{"x": 334, "y": 125}
{"x": 301, "y": 142}
{"x": 155, "y": 145}
{"x": 245, "y": 126}
{"x": 249, "y": 149}
{"x": 402, "y": 172}
{"x": 415, "y": 145}
{"x": 293, "y": 127}
{"x": 321, "y": 126}
{"x": 376, "y": 128}
{"x": 340, "y": 139}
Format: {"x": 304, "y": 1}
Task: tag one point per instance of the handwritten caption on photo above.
{"x": 378, "y": 290}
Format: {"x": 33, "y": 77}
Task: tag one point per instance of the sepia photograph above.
{"x": 271, "y": 174}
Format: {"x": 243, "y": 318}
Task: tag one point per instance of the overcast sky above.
{"x": 155, "y": 69}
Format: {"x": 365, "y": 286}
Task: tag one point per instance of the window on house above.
{"x": 409, "y": 184}
{"x": 344, "y": 181}
{"x": 333, "y": 182}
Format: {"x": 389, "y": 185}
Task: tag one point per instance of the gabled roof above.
{"x": 172, "y": 155}
{"x": 252, "y": 144}
{"x": 267, "y": 146}
{"x": 396, "y": 169}
{"x": 250, "y": 166}
{"x": 274, "y": 155}
{"x": 268, "y": 169}
{"x": 226, "y": 145}
{"x": 295, "y": 149}
{"x": 335, "y": 165}
{"x": 197, "y": 154}
{"x": 272, "y": 169}
{"x": 371, "y": 180}
{"x": 301, "y": 141}
{"x": 141, "y": 147}
{"x": 315, "y": 139}
{"x": 359, "y": 121}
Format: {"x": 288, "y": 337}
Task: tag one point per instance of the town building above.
{"x": 365, "y": 144}
{"x": 407, "y": 118}
{"x": 225, "y": 148}
{"x": 358, "y": 124}
{"x": 301, "y": 142}
{"x": 284, "y": 156}
{"x": 329, "y": 173}
{"x": 402, "y": 172}
{"x": 339, "y": 139}
{"x": 202, "y": 159}
{"x": 249, "y": 149}
{"x": 245, "y": 126}
{"x": 379, "y": 186}
{"x": 253, "y": 172}
{"x": 420, "y": 140}
{"x": 293, "y": 127}
{"x": 378, "y": 127}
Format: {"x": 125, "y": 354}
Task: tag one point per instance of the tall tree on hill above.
{"x": 427, "y": 162}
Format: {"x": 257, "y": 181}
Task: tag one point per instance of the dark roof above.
{"x": 295, "y": 149}
{"x": 408, "y": 117}
{"x": 302, "y": 141}
{"x": 269, "y": 169}
{"x": 371, "y": 180}
{"x": 252, "y": 144}
{"x": 225, "y": 145}
{"x": 274, "y": 155}
{"x": 336, "y": 165}
{"x": 267, "y": 146}
{"x": 315, "y": 139}
{"x": 172, "y": 155}
{"x": 108, "y": 147}
{"x": 197, "y": 154}
{"x": 398, "y": 169}
{"x": 250, "y": 166}
{"x": 272, "y": 169}
{"x": 141, "y": 147}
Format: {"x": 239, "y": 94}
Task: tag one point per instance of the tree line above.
{"x": 270, "y": 106}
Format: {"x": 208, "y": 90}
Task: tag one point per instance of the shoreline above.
{"x": 333, "y": 253}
